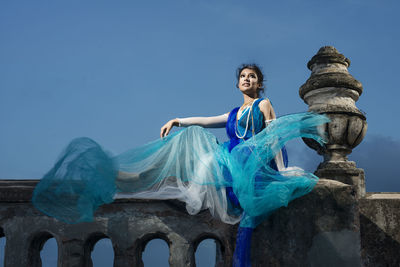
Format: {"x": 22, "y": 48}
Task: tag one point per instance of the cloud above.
{"x": 378, "y": 155}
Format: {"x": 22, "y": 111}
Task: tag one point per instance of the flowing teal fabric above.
{"x": 189, "y": 165}
{"x": 82, "y": 179}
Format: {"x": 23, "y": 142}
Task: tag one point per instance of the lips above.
{"x": 246, "y": 84}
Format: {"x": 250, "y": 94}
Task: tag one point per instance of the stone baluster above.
{"x": 122, "y": 236}
{"x": 331, "y": 90}
{"x": 17, "y": 251}
{"x": 124, "y": 257}
{"x": 181, "y": 253}
{"x": 72, "y": 253}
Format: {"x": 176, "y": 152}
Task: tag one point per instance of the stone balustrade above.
{"x": 129, "y": 224}
{"x": 329, "y": 224}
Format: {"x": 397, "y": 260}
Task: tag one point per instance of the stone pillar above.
{"x": 331, "y": 90}
{"x": 181, "y": 253}
{"x": 122, "y": 236}
{"x": 124, "y": 257}
{"x": 72, "y": 253}
{"x": 17, "y": 251}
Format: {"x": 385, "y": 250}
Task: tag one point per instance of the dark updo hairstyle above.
{"x": 257, "y": 70}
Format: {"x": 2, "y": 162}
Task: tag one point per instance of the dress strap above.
{"x": 258, "y": 101}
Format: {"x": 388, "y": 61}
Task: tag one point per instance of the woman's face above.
{"x": 248, "y": 82}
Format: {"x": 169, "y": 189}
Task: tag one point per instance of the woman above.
{"x": 242, "y": 180}
{"x": 260, "y": 112}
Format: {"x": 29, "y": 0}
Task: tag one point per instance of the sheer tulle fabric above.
{"x": 188, "y": 165}
{"x": 82, "y": 179}
{"x": 185, "y": 166}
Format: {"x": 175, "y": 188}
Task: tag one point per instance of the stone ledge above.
{"x": 21, "y": 190}
{"x": 383, "y": 195}
{"x": 16, "y": 190}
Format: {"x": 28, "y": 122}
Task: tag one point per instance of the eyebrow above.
{"x": 251, "y": 73}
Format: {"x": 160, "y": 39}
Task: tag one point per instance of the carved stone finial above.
{"x": 333, "y": 91}
{"x": 328, "y": 54}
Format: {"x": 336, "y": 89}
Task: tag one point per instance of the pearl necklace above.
{"x": 247, "y": 123}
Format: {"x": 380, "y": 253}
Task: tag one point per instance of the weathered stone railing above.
{"x": 328, "y": 227}
{"x": 129, "y": 224}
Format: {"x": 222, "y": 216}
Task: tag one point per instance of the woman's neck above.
{"x": 247, "y": 100}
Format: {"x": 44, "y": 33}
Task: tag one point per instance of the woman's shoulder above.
{"x": 266, "y": 109}
{"x": 264, "y": 103}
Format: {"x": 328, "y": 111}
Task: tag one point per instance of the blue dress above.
{"x": 237, "y": 180}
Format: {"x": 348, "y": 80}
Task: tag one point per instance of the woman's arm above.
{"x": 207, "y": 122}
{"x": 269, "y": 115}
{"x": 267, "y": 110}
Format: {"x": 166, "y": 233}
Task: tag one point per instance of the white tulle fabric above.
{"x": 205, "y": 189}
{"x": 190, "y": 155}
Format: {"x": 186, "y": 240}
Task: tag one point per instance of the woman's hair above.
{"x": 257, "y": 70}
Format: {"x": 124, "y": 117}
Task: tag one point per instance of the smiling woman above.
{"x": 243, "y": 180}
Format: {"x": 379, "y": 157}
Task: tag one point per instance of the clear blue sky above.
{"x": 116, "y": 71}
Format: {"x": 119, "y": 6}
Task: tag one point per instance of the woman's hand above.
{"x": 168, "y": 126}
